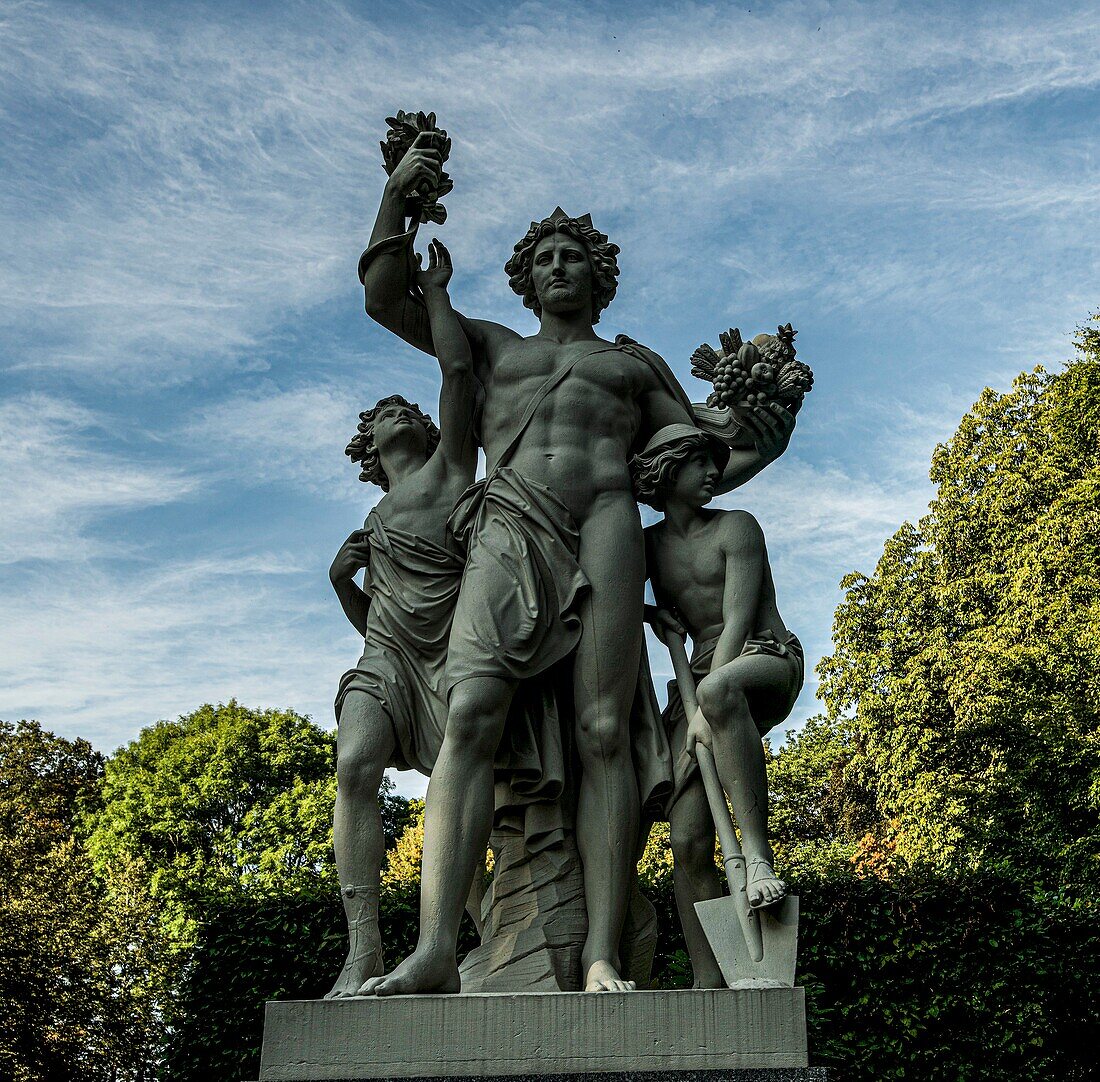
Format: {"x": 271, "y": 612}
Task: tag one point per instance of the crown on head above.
{"x": 559, "y": 215}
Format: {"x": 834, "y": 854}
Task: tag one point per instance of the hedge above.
{"x": 922, "y": 977}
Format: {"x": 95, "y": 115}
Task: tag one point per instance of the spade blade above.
{"x": 778, "y": 930}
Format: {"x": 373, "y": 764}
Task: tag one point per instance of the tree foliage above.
{"x": 964, "y": 690}
{"x": 405, "y": 855}
{"x": 819, "y": 808}
{"x": 81, "y": 954}
{"x": 972, "y": 977}
{"x": 221, "y": 800}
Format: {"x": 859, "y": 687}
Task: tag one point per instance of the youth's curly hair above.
{"x": 601, "y": 254}
{"x": 653, "y": 473}
{"x": 362, "y": 448}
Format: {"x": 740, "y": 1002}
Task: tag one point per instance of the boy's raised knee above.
{"x": 722, "y": 699}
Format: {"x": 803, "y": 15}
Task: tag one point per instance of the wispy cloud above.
{"x": 297, "y": 435}
{"x": 186, "y": 190}
{"x": 293, "y": 436}
{"x": 201, "y": 184}
{"x": 102, "y": 650}
{"x": 60, "y": 470}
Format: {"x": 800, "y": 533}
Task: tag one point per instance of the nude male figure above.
{"x": 570, "y": 466}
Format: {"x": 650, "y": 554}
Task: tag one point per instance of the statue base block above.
{"x": 742, "y": 1035}
{"x": 736, "y": 1074}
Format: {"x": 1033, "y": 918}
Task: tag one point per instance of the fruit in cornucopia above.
{"x": 764, "y": 373}
{"x": 750, "y": 374}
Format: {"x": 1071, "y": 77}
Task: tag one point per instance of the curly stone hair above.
{"x": 601, "y": 254}
{"x": 362, "y": 448}
{"x": 653, "y": 473}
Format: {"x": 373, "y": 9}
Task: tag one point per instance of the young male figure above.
{"x": 711, "y": 579}
{"x": 556, "y": 566}
{"x": 391, "y": 707}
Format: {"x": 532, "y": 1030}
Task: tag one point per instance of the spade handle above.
{"x": 716, "y": 798}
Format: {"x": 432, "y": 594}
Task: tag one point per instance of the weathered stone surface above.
{"x": 639, "y": 940}
{"x": 535, "y": 923}
{"x": 738, "y": 1074}
{"x": 534, "y": 1034}
{"x": 546, "y": 640}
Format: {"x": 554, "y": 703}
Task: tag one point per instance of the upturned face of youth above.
{"x": 561, "y": 273}
{"x": 695, "y": 481}
{"x": 397, "y": 429}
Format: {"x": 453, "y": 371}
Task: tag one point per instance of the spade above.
{"x": 754, "y": 948}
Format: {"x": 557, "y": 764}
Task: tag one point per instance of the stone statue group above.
{"x": 502, "y": 622}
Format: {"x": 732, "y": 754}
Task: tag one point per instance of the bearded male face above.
{"x": 575, "y": 271}
{"x": 561, "y": 273}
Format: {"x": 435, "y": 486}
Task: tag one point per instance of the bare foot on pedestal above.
{"x": 364, "y": 960}
{"x": 419, "y": 974}
{"x": 603, "y": 977}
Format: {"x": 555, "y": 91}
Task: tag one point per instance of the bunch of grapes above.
{"x": 756, "y": 373}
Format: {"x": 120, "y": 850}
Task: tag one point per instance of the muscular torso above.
{"x": 579, "y": 440}
{"x": 689, "y": 574}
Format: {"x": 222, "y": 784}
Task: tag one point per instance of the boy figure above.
{"x": 711, "y": 579}
{"x": 391, "y": 708}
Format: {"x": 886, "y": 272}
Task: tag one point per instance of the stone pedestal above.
{"x": 691, "y": 1033}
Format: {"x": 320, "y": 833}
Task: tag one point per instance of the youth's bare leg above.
{"x": 605, "y": 681}
{"x": 739, "y": 754}
{"x": 365, "y": 743}
{"x": 458, "y": 816}
{"x": 695, "y": 877}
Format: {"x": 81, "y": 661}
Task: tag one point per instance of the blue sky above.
{"x": 186, "y": 189}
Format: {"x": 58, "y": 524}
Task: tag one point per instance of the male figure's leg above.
{"x": 724, "y": 698}
{"x": 604, "y": 683}
{"x": 694, "y": 876}
{"x": 364, "y": 745}
{"x": 458, "y": 816}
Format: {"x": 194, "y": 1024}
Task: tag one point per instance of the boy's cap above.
{"x": 674, "y": 433}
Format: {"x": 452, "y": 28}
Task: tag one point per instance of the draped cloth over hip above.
{"x": 684, "y": 767}
{"x": 413, "y": 584}
{"x": 518, "y": 619}
{"x": 519, "y": 606}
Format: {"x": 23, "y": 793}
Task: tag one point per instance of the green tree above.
{"x": 819, "y": 807}
{"x": 964, "y": 691}
{"x": 224, "y": 800}
{"x": 221, "y": 800}
{"x": 81, "y": 955}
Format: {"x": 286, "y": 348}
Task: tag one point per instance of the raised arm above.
{"x": 458, "y": 398}
{"x": 743, "y": 545}
{"x": 387, "y": 269}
